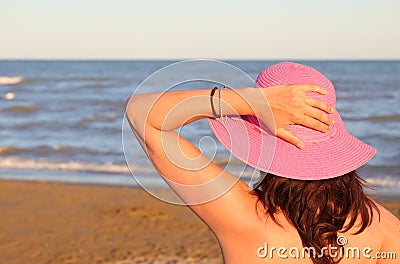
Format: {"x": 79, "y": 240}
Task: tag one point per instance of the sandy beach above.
{"x": 59, "y": 223}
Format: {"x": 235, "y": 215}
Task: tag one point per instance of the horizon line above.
{"x": 183, "y": 59}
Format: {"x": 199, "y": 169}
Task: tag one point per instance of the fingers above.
{"x": 314, "y": 124}
{"x": 319, "y": 104}
{"x": 290, "y": 137}
{"x": 318, "y": 115}
{"x": 317, "y": 119}
{"x": 315, "y": 102}
{"x": 312, "y": 88}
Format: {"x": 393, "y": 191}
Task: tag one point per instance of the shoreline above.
{"x": 376, "y": 195}
{"x": 47, "y": 222}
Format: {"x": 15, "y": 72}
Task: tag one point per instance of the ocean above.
{"x": 62, "y": 120}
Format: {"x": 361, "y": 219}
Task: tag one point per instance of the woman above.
{"x": 309, "y": 196}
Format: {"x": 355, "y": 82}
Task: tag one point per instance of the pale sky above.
{"x": 219, "y": 29}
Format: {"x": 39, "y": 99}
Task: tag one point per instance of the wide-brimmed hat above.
{"x": 325, "y": 155}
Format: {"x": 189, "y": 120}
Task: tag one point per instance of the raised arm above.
{"x": 170, "y": 110}
{"x": 155, "y": 116}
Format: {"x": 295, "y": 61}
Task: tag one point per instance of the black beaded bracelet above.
{"x": 212, "y": 103}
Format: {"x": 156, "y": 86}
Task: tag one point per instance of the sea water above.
{"x": 62, "y": 120}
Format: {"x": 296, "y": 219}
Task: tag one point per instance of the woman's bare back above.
{"x": 258, "y": 239}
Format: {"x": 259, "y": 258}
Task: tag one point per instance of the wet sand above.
{"x": 60, "y": 223}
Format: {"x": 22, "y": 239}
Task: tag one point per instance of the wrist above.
{"x": 238, "y": 101}
{"x": 256, "y": 99}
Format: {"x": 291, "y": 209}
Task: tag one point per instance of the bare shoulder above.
{"x": 388, "y": 219}
{"x": 389, "y": 226}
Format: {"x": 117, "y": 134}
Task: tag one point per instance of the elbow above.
{"x": 131, "y": 112}
{"x": 137, "y": 110}
{"x": 128, "y": 103}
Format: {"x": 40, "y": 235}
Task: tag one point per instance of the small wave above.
{"x": 8, "y": 150}
{"x": 361, "y": 97}
{"x": 60, "y": 148}
{"x": 21, "y": 109}
{"x": 394, "y": 117}
{"x": 4, "y": 80}
{"x": 44, "y": 149}
{"x": 100, "y": 117}
{"x": 29, "y": 125}
{"x": 392, "y": 182}
{"x": 96, "y": 86}
{"x": 89, "y": 118}
{"x": 68, "y": 79}
{"x": 43, "y": 164}
{"x": 378, "y": 118}
{"x": 89, "y": 79}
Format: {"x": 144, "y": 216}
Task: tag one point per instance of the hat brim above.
{"x": 335, "y": 154}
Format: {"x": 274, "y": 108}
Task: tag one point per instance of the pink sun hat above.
{"x": 325, "y": 155}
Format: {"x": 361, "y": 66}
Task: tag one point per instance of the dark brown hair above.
{"x": 318, "y": 209}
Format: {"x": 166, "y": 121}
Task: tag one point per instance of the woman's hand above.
{"x": 290, "y": 105}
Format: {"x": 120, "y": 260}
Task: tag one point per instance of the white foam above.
{"x": 4, "y": 80}
{"x": 43, "y": 164}
{"x": 109, "y": 167}
{"x": 9, "y": 96}
{"x": 384, "y": 181}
